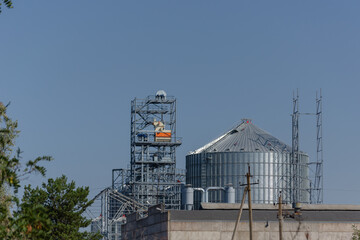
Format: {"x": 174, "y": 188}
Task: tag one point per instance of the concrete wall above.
{"x": 327, "y": 224}
{"x": 216, "y": 230}
{"x": 153, "y": 227}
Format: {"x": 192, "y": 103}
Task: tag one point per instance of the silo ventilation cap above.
{"x": 246, "y": 120}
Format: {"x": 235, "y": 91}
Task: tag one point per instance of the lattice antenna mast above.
{"x": 295, "y": 184}
{"x": 318, "y": 185}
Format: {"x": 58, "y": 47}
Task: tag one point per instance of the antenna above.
{"x": 295, "y": 150}
{"x": 318, "y": 185}
{"x": 316, "y": 179}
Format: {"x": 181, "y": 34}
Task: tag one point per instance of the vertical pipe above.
{"x": 205, "y": 196}
{"x": 113, "y": 184}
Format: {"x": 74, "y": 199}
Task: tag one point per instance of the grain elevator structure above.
{"x": 153, "y": 177}
{"x": 276, "y": 168}
{"x": 225, "y": 161}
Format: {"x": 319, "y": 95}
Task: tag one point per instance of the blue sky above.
{"x": 71, "y": 68}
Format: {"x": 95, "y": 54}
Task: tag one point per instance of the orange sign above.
{"x": 163, "y": 134}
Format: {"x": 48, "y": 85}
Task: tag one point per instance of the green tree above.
{"x": 53, "y": 212}
{"x": 7, "y": 3}
{"x": 64, "y": 203}
{"x": 11, "y": 173}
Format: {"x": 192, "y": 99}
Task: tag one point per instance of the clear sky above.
{"x": 71, "y": 68}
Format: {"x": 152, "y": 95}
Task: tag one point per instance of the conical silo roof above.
{"x": 245, "y": 137}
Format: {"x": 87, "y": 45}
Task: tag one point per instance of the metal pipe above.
{"x": 209, "y": 189}
{"x": 203, "y": 197}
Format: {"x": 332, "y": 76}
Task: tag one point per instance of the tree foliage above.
{"x": 53, "y": 212}
{"x": 356, "y": 233}
{"x": 64, "y": 204}
{"x": 14, "y": 226}
{"x": 7, "y": 3}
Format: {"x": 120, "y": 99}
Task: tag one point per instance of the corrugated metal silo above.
{"x": 225, "y": 160}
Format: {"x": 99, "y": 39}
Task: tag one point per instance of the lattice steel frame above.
{"x": 295, "y": 184}
{"x": 153, "y": 177}
{"x": 112, "y": 208}
{"x": 315, "y": 189}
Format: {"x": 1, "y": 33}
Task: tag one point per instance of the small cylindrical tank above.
{"x": 230, "y": 194}
{"x": 188, "y": 197}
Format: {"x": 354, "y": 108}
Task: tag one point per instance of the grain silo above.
{"x": 225, "y": 161}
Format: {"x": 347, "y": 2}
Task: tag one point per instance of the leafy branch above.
{"x": 7, "y": 3}
{"x": 16, "y": 226}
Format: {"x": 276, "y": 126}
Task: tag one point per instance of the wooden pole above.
{"x": 239, "y": 215}
{"x": 280, "y": 217}
{"x": 249, "y": 201}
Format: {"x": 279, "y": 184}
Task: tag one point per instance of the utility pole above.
{"x": 249, "y": 201}
{"x": 240, "y": 212}
{"x": 247, "y": 190}
{"x": 280, "y": 216}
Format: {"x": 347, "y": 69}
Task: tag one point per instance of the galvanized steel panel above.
{"x": 267, "y": 168}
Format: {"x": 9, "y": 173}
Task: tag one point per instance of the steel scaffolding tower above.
{"x": 313, "y": 185}
{"x": 318, "y": 181}
{"x": 295, "y": 163}
{"x": 153, "y": 177}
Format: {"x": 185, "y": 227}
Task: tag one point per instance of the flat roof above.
{"x": 265, "y": 215}
{"x": 304, "y": 207}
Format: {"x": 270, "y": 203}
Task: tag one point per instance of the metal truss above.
{"x": 313, "y": 184}
{"x": 319, "y": 152}
{"x": 153, "y": 177}
{"x": 295, "y": 170}
{"x": 109, "y": 212}
{"x": 120, "y": 179}
{"x": 317, "y": 179}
